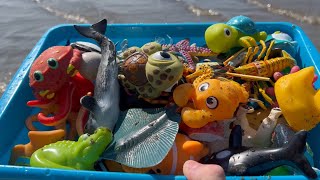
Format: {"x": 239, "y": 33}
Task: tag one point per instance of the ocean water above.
{"x": 23, "y": 22}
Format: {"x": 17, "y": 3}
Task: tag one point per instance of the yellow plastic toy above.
{"x": 212, "y": 100}
{"x": 298, "y": 100}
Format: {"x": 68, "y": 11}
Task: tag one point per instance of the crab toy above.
{"x": 240, "y": 31}
{"x": 150, "y": 75}
{"x": 57, "y": 85}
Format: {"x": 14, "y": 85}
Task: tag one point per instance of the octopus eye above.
{"x": 212, "y": 102}
{"x": 161, "y": 56}
{"x": 227, "y": 32}
{"x": 203, "y": 87}
{"x": 53, "y": 63}
{"x": 37, "y": 75}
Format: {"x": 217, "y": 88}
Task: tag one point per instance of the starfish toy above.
{"x": 187, "y": 51}
{"x": 38, "y": 139}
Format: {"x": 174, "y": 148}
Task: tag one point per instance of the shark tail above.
{"x": 96, "y": 31}
{"x": 295, "y": 151}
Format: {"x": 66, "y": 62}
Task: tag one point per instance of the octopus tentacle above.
{"x": 65, "y": 102}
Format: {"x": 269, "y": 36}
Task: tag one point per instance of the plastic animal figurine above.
{"x": 104, "y": 106}
{"x": 213, "y": 100}
{"x": 151, "y": 75}
{"x": 298, "y": 100}
{"x": 240, "y": 31}
{"x": 81, "y": 154}
{"x": 183, "y": 47}
{"x": 242, "y": 161}
{"x": 182, "y": 150}
{"x": 58, "y": 86}
{"x": 143, "y": 137}
{"x": 285, "y": 42}
{"x": 38, "y": 139}
{"x": 267, "y": 67}
{"x": 148, "y": 48}
{"x": 91, "y": 58}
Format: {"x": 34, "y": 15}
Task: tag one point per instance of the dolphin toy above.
{"x": 104, "y": 105}
{"x": 244, "y": 161}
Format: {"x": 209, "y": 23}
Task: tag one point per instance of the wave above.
{"x": 71, "y": 17}
{"x": 199, "y": 11}
{"x": 314, "y": 20}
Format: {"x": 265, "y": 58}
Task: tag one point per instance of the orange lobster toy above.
{"x": 212, "y": 100}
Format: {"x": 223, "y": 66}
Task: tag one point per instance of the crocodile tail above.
{"x": 38, "y": 159}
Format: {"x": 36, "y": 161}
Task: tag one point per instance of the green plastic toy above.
{"x": 240, "y": 31}
{"x": 79, "y": 155}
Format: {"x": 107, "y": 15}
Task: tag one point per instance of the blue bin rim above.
{"x": 21, "y": 73}
{"x": 8, "y": 171}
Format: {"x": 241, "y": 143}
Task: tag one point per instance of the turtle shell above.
{"x": 151, "y": 48}
{"x": 243, "y": 24}
{"x": 134, "y": 68}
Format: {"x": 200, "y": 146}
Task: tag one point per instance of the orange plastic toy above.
{"x": 38, "y": 139}
{"x": 211, "y": 100}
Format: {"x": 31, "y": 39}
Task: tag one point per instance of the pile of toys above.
{"x": 149, "y": 109}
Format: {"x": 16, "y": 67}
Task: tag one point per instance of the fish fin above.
{"x": 96, "y": 31}
{"x": 297, "y": 146}
{"x": 150, "y": 151}
{"x": 151, "y": 148}
{"x": 100, "y": 26}
{"x": 134, "y": 119}
{"x": 235, "y": 138}
{"x": 89, "y": 103}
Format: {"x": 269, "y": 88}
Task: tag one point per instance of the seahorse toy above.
{"x": 79, "y": 155}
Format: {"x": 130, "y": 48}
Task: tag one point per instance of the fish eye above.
{"x": 53, "y": 63}
{"x": 212, "y": 102}
{"x": 161, "y": 56}
{"x": 38, "y": 76}
{"x": 203, "y": 87}
{"x": 227, "y": 32}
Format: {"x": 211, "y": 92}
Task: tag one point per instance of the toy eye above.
{"x": 203, "y": 87}
{"x": 84, "y": 137}
{"x": 37, "y": 75}
{"x": 53, "y": 63}
{"x": 227, "y": 32}
{"x": 212, "y": 102}
{"x": 161, "y": 56}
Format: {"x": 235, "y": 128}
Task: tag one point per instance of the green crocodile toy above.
{"x": 71, "y": 154}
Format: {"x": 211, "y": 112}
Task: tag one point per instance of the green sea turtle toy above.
{"x": 240, "y": 31}
{"x": 81, "y": 154}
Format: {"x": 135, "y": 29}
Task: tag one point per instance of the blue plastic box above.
{"x": 13, "y": 109}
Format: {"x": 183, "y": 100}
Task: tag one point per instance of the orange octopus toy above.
{"x": 208, "y": 100}
{"x": 58, "y": 87}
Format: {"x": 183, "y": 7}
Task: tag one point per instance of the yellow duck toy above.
{"x": 298, "y": 100}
